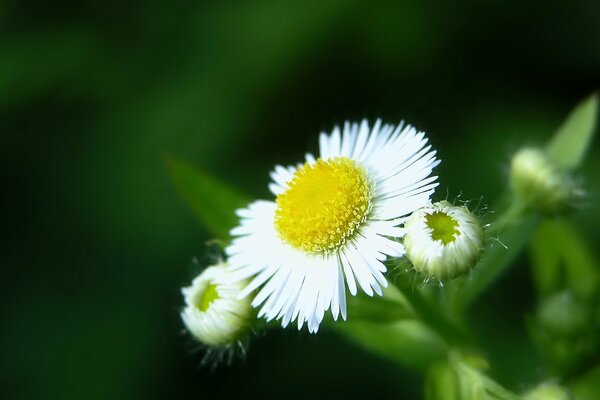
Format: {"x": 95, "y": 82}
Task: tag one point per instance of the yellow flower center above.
{"x": 204, "y": 298}
{"x": 443, "y": 227}
{"x": 324, "y": 205}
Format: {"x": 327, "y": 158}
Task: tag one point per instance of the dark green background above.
{"x": 95, "y": 242}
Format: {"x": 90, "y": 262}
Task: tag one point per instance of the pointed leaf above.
{"x": 407, "y": 342}
{"x": 569, "y": 144}
{"x": 211, "y": 200}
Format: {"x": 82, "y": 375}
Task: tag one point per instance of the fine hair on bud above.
{"x": 443, "y": 241}
{"x": 215, "y": 315}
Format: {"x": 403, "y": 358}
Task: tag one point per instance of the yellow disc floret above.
{"x": 204, "y": 298}
{"x": 443, "y": 227}
{"x": 324, "y": 205}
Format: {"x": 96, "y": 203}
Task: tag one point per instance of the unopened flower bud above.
{"x": 443, "y": 241}
{"x": 213, "y": 314}
{"x": 547, "y": 391}
{"x": 563, "y": 314}
{"x": 539, "y": 182}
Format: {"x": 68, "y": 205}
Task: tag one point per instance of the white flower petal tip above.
{"x": 443, "y": 241}
{"x": 334, "y": 221}
{"x": 213, "y": 313}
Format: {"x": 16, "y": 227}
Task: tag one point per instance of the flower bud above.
{"x": 547, "y": 391}
{"x": 563, "y": 314}
{"x": 539, "y": 182}
{"x": 213, "y": 314}
{"x": 443, "y": 241}
{"x": 565, "y": 331}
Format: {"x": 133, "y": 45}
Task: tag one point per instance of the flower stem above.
{"x": 509, "y": 234}
{"x": 432, "y": 315}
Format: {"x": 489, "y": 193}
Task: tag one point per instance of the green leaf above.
{"x": 498, "y": 256}
{"x": 441, "y": 383}
{"x": 407, "y": 342}
{"x": 461, "y": 378}
{"x": 547, "y": 391}
{"x": 211, "y": 200}
{"x": 545, "y": 260}
{"x": 475, "y": 385}
{"x": 429, "y": 311}
{"x": 561, "y": 257}
{"x": 386, "y": 326}
{"x": 588, "y": 386}
{"x": 569, "y": 144}
{"x": 393, "y": 306}
{"x": 513, "y": 227}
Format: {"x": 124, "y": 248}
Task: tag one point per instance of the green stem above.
{"x": 432, "y": 315}
{"x": 511, "y": 216}
{"x": 510, "y": 233}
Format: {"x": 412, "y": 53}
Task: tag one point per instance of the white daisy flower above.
{"x": 443, "y": 241}
{"x": 333, "y": 223}
{"x": 214, "y": 314}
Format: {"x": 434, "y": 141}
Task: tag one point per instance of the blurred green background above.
{"x": 96, "y": 243}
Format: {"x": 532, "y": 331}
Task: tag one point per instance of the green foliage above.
{"x": 408, "y": 342}
{"x": 390, "y": 327}
{"x": 474, "y": 385}
{"x": 95, "y": 245}
{"x": 461, "y": 378}
{"x": 566, "y": 275}
{"x": 410, "y": 326}
{"x": 560, "y": 258}
{"x": 515, "y": 226}
{"x": 573, "y": 138}
{"x": 587, "y": 386}
{"x": 393, "y": 306}
{"x": 212, "y": 201}
{"x": 547, "y": 391}
{"x": 501, "y": 251}
{"x": 442, "y": 383}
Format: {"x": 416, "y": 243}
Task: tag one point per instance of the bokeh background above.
{"x": 96, "y": 243}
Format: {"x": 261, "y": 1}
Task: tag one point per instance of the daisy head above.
{"x": 213, "y": 313}
{"x": 443, "y": 241}
{"x": 334, "y": 221}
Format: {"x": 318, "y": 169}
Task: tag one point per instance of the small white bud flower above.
{"x": 443, "y": 241}
{"x": 539, "y": 182}
{"x": 213, "y": 314}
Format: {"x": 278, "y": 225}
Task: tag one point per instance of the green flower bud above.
{"x": 564, "y": 331}
{"x": 564, "y": 314}
{"x": 539, "y": 183}
{"x": 547, "y": 391}
{"x": 443, "y": 241}
{"x": 213, "y": 314}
